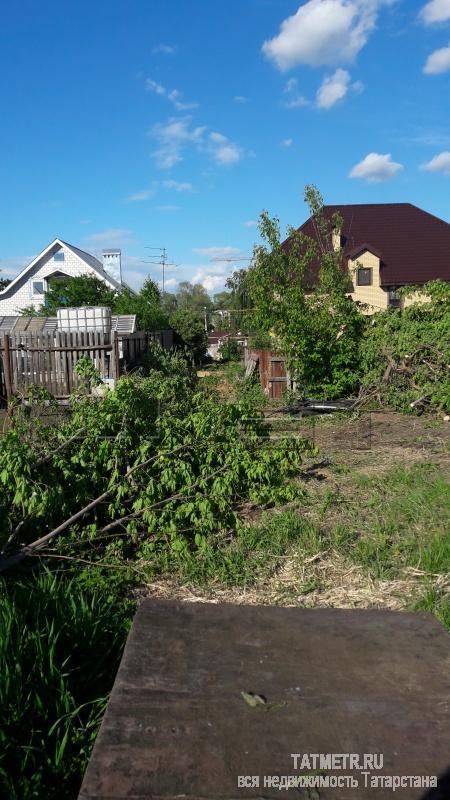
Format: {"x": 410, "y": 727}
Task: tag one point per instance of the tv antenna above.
{"x": 162, "y": 263}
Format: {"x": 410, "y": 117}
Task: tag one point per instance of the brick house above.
{"x": 385, "y": 247}
{"x": 58, "y": 260}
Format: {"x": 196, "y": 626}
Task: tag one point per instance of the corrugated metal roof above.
{"x": 414, "y": 246}
{"x": 122, "y": 323}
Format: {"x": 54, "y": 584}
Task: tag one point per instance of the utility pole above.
{"x": 162, "y": 263}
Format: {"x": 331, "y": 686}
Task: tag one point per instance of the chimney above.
{"x": 336, "y": 239}
{"x": 112, "y": 264}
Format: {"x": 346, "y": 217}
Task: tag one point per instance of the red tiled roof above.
{"x": 414, "y": 246}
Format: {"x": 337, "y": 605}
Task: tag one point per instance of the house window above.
{"x": 394, "y": 299}
{"x": 59, "y": 256}
{"x": 38, "y": 287}
{"x": 364, "y": 276}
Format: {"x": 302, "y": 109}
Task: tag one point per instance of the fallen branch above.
{"x": 12, "y": 561}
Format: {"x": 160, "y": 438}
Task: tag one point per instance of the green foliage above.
{"x": 4, "y": 282}
{"x": 405, "y": 354}
{"x": 86, "y": 370}
{"x": 31, "y": 311}
{"x": 318, "y": 330}
{"x": 82, "y": 290}
{"x": 204, "y": 460}
{"x": 230, "y": 351}
{"x": 254, "y": 552}
{"x": 146, "y": 304}
{"x": 193, "y": 297}
{"x": 88, "y": 290}
{"x": 190, "y": 332}
{"x": 60, "y": 646}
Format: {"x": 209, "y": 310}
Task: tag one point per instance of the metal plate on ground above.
{"x": 329, "y": 682}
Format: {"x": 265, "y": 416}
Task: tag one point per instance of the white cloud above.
{"x": 155, "y": 87}
{"x": 357, "y": 87}
{"x": 223, "y": 151}
{"x": 333, "y": 88}
{"x": 250, "y": 223}
{"x": 115, "y": 237}
{"x": 435, "y": 11}
{"x": 208, "y": 280}
{"x": 323, "y": 32}
{"x": 177, "y": 186}
{"x": 440, "y": 163}
{"x": 138, "y": 197}
{"x": 177, "y": 135}
{"x": 376, "y": 168}
{"x": 239, "y": 98}
{"x": 286, "y": 143}
{"x": 290, "y": 86}
{"x": 295, "y": 100}
{"x": 174, "y": 96}
{"x": 173, "y": 137}
{"x": 218, "y": 252}
{"x": 438, "y": 62}
{"x": 167, "y": 49}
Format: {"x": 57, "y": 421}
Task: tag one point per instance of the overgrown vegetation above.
{"x": 399, "y": 357}
{"x": 405, "y": 356}
{"x": 318, "y": 326}
{"x": 166, "y": 479}
{"x": 156, "y": 475}
{"x": 60, "y": 646}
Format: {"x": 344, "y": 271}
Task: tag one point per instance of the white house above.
{"x": 58, "y": 260}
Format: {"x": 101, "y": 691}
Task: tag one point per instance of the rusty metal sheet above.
{"x": 334, "y": 681}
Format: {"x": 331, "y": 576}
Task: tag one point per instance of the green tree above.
{"x": 4, "y": 282}
{"x": 238, "y": 285}
{"x": 222, "y": 300}
{"x": 318, "y": 330}
{"x": 190, "y": 332}
{"x": 82, "y": 290}
{"x": 146, "y": 304}
{"x": 193, "y": 297}
{"x": 169, "y": 302}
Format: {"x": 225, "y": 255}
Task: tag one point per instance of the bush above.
{"x": 230, "y": 351}
{"x": 190, "y": 333}
{"x": 405, "y": 354}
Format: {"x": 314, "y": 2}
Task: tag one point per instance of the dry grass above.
{"x": 337, "y": 486}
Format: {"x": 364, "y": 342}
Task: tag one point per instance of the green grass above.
{"x": 60, "y": 646}
{"x": 386, "y": 524}
{"x": 239, "y": 561}
{"x": 397, "y": 520}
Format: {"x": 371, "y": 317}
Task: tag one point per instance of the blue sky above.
{"x": 138, "y": 123}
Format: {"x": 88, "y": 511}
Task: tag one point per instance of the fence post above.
{"x": 116, "y": 361}
{"x": 7, "y": 366}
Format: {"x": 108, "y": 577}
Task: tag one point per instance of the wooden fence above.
{"x": 273, "y": 376}
{"x": 49, "y": 359}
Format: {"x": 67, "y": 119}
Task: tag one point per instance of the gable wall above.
{"x": 375, "y": 297}
{"x": 21, "y": 297}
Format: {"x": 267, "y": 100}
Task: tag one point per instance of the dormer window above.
{"x": 59, "y": 256}
{"x": 364, "y": 276}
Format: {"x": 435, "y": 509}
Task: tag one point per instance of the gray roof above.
{"x": 88, "y": 259}
{"x": 122, "y": 323}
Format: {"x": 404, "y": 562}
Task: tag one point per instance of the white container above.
{"x": 86, "y": 318}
